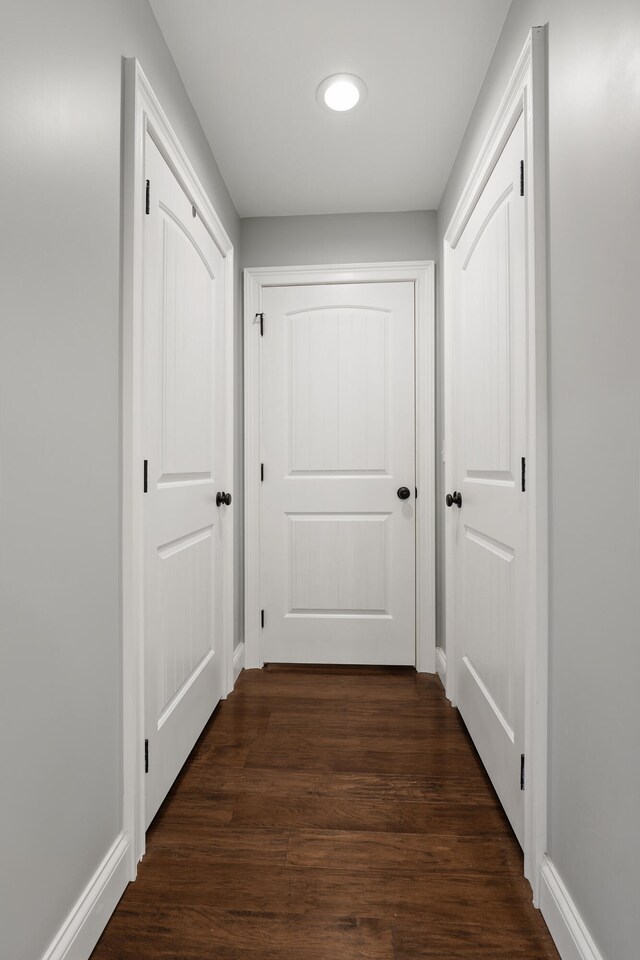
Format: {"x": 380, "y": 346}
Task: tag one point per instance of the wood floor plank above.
{"x": 417, "y": 726}
{"x": 482, "y": 941}
{"x": 190, "y": 933}
{"x": 317, "y": 686}
{"x": 358, "y": 755}
{"x": 409, "y": 853}
{"x": 335, "y": 813}
{"x": 219, "y": 844}
{"x": 453, "y": 819}
{"x": 264, "y": 782}
{"x": 183, "y": 809}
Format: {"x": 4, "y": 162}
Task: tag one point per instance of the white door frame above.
{"x": 143, "y": 114}
{"x": 525, "y": 94}
{"x": 421, "y": 274}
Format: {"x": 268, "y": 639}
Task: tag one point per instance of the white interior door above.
{"x": 338, "y": 441}
{"x": 489, "y": 423}
{"x": 183, "y": 379}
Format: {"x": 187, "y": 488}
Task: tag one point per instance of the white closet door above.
{"x": 337, "y": 542}
{"x": 183, "y": 328}
{"x": 490, "y": 440}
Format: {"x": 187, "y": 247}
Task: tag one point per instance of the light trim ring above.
{"x": 341, "y": 92}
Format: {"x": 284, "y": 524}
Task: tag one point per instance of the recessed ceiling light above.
{"x": 341, "y": 92}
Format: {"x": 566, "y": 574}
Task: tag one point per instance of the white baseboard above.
{"x": 238, "y": 661}
{"x": 441, "y": 665}
{"x": 572, "y": 939}
{"x": 81, "y": 930}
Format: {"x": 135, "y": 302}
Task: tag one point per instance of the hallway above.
{"x": 330, "y": 812}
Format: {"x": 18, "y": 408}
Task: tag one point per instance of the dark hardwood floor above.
{"x": 330, "y": 814}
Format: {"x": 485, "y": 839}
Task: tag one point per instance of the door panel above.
{"x": 338, "y": 546}
{"x": 338, "y": 381}
{"x": 182, "y": 383}
{"x": 338, "y": 564}
{"x": 188, "y": 360}
{"x": 186, "y": 602}
{"x": 490, "y": 416}
{"x": 486, "y": 342}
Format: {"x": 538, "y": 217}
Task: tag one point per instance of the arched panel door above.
{"x": 338, "y": 446}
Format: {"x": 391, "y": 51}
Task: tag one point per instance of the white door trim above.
{"x": 525, "y": 94}
{"x": 421, "y": 273}
{"x": 142, "y": 114}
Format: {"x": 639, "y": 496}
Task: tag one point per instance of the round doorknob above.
{"x": 404, "y": 493}
{"x": 452, "y": 498}
{"x": 222, "y": 497}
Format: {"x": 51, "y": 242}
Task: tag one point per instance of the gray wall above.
{"x": 60, "y": 196}
{"x": 594, "y": 364}
{"x": 338, "y": 238}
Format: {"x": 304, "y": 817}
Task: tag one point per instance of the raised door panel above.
{"x": 486, "y": 345}
{"x": 489, "y": 622}
{"x": 188, "y": 303}
{"x": 337, "y": 408}
{"x": 185, "y": 624}
{"x": 338, "y": 565}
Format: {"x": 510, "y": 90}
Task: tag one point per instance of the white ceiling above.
{"x": 251, "y": 69}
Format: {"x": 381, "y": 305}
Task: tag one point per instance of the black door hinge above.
{"x": 262, "y": 472}
{"x": 522, "y": 771}
{"x": 146, "y": 756}
{"x": 523, "y": 473}
{"x": 147, "y": 203}
{"x": 416, "y": 493}
{"x": 522, "y": 178}
{"x": 262, "y": 619}
{"x": 261, "y": 315}
{"x": 145, "y": 481}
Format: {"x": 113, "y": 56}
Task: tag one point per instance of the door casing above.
{"x": 525, "y": 95}
{"x": 143, "y": 114}
{"x": 421, "y": 274}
